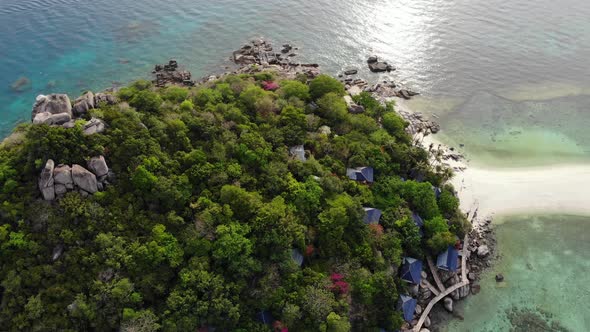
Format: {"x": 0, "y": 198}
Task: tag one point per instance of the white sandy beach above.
{"x": 560, "y": 189}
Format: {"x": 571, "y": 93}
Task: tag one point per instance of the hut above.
{"x": 418, "y": 221}
{"x": 265, "y": 317}
{"x": 411, "y": 270}
{"x": 361, "y": 174}
{"x": 448, "y": 259}
{"x": 407, "y": 305}
{"x": 372, "y": 216}
{"x": 437, "y": 192}
{"x": 297, "y": 256}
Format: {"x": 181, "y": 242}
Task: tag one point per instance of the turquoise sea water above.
{"x": 509, "y": 79}
{"x": 545, "y": 261}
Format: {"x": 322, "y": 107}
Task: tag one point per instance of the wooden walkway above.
{"x": 464, "y": 282}
{"x": 429, "y": 286}
{"x": 434, "y": 272}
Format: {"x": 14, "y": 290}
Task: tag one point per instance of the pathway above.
{"x": 464, "y": 282}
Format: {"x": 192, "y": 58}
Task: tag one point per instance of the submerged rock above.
{"x": 499, "y": 277}
{"x": 21, "y": 84}
{"x": 448, "y": 304}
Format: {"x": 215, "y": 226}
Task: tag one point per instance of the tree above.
{"x": 335, "y": 323}
{"x": 233, "y": 249}
{"x": 293, "y": 125}
{"x": 437, "y": 231}
{"x": 146, "y": 101}
{"x": 294, "y": 89}
{"x": 332, "y": 107}
{"x": 324, "y": 84}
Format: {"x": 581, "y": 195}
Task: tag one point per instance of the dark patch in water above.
{"x": 533, "y": 320}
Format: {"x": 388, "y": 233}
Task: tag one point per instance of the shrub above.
{"x": 175, "y": 94}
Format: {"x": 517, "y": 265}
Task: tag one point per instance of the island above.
{"x": 271, "y": 198}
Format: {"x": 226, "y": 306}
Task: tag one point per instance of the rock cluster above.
{"x": 170, "y": 74}
{"x": 377, "y": 66}
{"x": 54, "y": 109}
{"x": 55, "y": 181}
{"x": 57, "y": 110}
{"x": 261, "y": 53}
{"x": 418, "y": 123}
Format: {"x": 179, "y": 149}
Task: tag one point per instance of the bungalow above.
{"x": 411, "y": 270}
{"x": 448, "y": 259}
{"x": 408, "y": 307}
{"x": 372, "y": 216}
{"x": 418, "y": 220}
{"x": 298, "y": 152}
{"x": 437, "y": 192}
{"x": 297, "y": 256}
{"x": 361, "y": 174}
{"x": 265, "y": 317}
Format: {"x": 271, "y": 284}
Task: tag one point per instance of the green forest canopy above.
{"x": 199, "y": 228}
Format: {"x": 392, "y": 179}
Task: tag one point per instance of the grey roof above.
{"x": 372, "y": 215}
{"x": 360, "y": 174}
{"x": 297, "y": 256}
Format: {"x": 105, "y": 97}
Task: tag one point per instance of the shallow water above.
{"x": 546, "y": 263}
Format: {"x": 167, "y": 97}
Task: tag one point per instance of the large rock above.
{"x": 483, "y": 251}
{"x": 105, "y": 98}
{"x": 84, "y": 103}
{"x": 98, "y": 166}
{"x": 448, "y": 303}
{"x": 427, "y": 321}
{"x": 62, "y": 175}
{"x": 53, "y": 104}
{"x": 46, "y": 181}
{"x": 379, "y": 67}
{"x": 84, "y": 179}
{"x": 94, "y": 126}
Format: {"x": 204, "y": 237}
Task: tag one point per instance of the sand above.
{"x": 525, "y": 190}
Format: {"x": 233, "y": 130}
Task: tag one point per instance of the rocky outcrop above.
{"x": 84, "y": 179}
{"x": 170, "y": 74}
{"x": 83, "y": 104}
{"x": 62, "y": 176}
{"x": 483, "y": 251}
{"x": 54, "y": 109}
{"x": 377, "y": 66}
{"x": 57, "y": 181}
{"x": 98, "y": 166}
{"x": 46, "y": 181}
{"x": 94, "y": 126}
{"x": 104, "y": 98}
